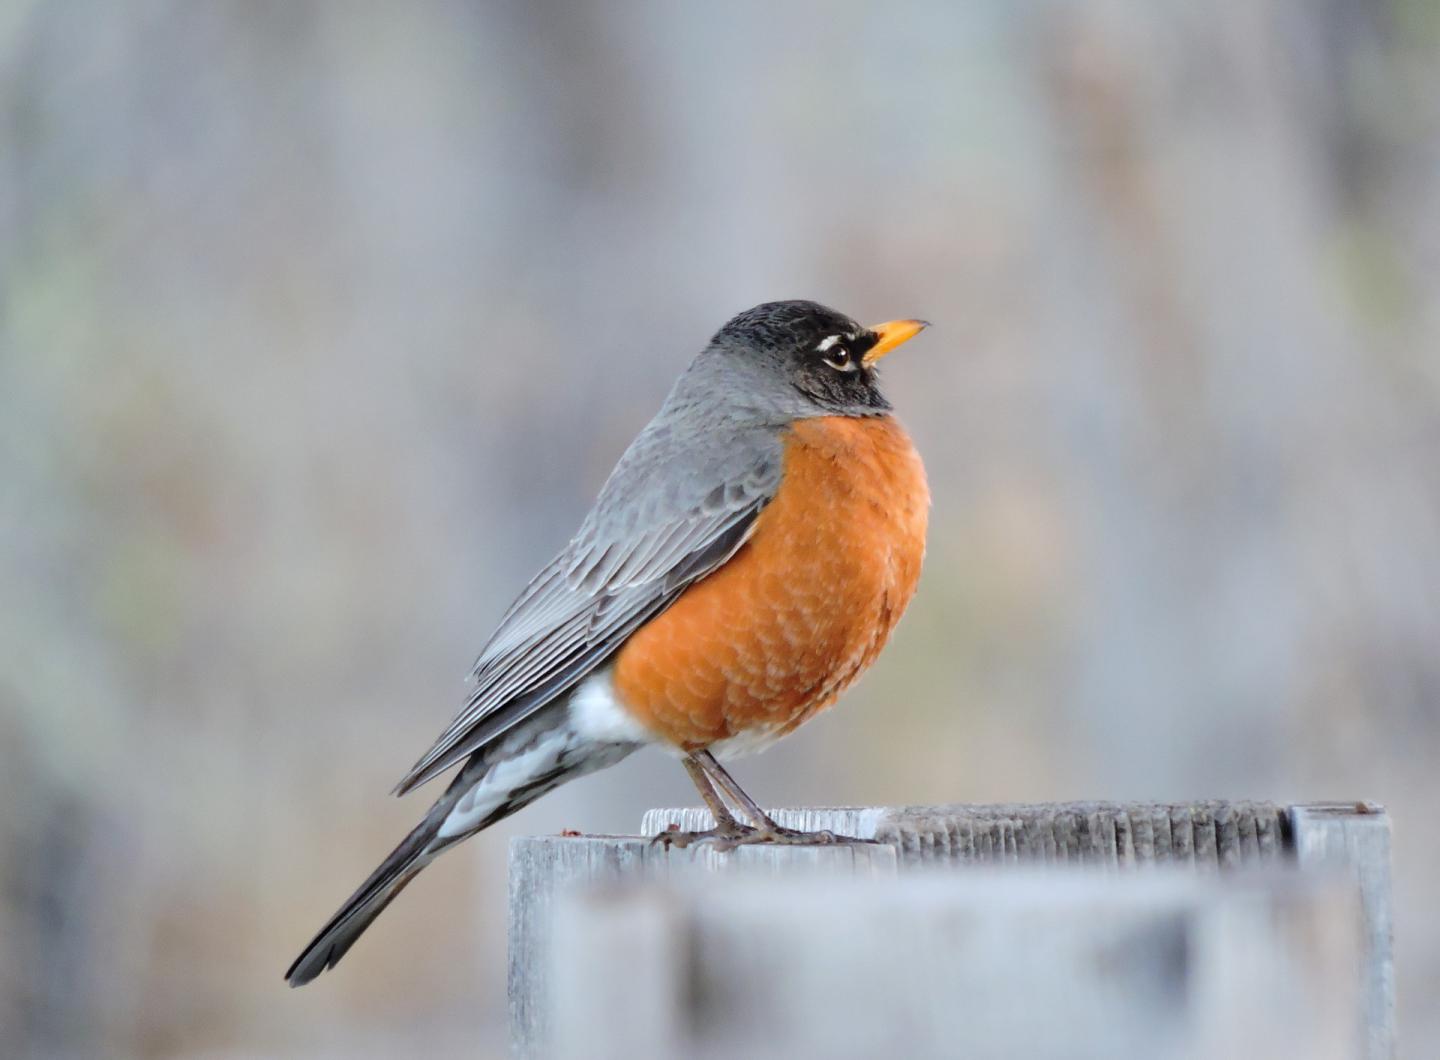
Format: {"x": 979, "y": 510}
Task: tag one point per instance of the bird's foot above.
{"x": 726, "y": 836}
{"x": 779, "y": 835}
{"x": 732, "y": 835}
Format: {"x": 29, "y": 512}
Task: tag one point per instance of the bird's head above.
{"x": 814, "y": 358}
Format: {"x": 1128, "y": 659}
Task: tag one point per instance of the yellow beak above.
{"x": 890, "y": 334}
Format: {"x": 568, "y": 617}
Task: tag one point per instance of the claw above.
{"x": 743, "y": 835}
{"x": 781, "y": 836}
{"x": 724, "y": 838}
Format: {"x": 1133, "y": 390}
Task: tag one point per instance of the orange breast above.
{"x": 778, "y": 632}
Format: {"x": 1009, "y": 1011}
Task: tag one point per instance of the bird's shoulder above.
{"x": 684, "y": 469}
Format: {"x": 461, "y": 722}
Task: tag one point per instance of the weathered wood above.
{"x": 1203, "y": 834}
{"x": 543, "y": 867}
{"x": 1213, "y": 837}
{"x": 1356, "y": 837}
{"x": 1062, "y": 963}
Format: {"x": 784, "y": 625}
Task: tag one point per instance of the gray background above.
{"x": 322, "y": 323}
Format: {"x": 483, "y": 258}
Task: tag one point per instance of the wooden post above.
{"x": 1040, "y": 964}
{"x": 543, "y": 868}
{"x": 1212, "y": 837}
{"x": 1355, "y": 837}
{"x": 1207, "y": 835}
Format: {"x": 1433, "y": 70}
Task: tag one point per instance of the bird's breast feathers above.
{"x": 779, "y": 631}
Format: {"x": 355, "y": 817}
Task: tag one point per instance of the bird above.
{"x": 745, "y": 561}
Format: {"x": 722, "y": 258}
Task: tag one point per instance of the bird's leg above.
{"x": 766, "y": 830}
{"x": 727, "y": 831}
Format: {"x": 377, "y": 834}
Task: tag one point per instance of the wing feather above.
{"x": 649, "y": 537}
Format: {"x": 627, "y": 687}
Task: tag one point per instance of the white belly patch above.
{"x": 595, "y": 713}
{"x": 596, "y": 732}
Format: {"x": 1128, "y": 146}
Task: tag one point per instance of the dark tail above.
{"x": 424, "y": 844}
{"x": 342, "y": 929}
{"x": 415, "y": 851}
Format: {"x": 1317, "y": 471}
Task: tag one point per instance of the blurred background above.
{"x": 322, "y": 323}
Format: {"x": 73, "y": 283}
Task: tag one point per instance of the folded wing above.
{"x": 674, "y": 509}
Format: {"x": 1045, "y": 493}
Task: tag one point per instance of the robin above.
{"x": 743, "y": 565}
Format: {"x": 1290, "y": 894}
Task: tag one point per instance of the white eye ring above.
{"x": 842, "y": 360}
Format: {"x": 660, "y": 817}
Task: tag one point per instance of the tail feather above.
{"x": 368, "y": 902}
{"x": 493, "y": 784}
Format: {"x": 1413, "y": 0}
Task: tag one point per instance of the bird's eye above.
{"x": 840, "y": 359}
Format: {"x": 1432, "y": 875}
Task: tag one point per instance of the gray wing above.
{"x": 674, "y": 509}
